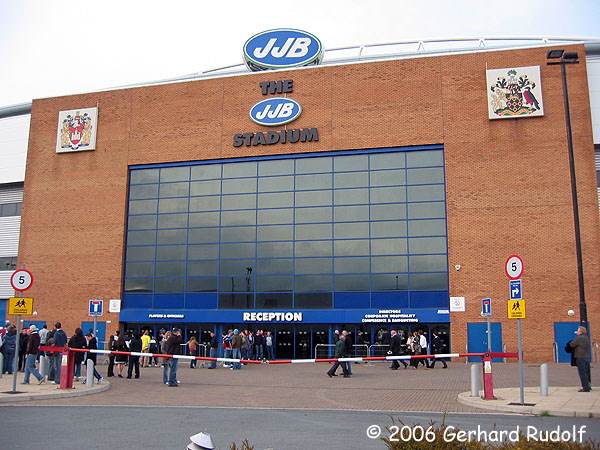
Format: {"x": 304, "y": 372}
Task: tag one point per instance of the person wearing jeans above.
{"x": 31, "y": 355}
{"x": 214, "y": 347}
{"x": 174, "y": 348}
{"x": 581, "y": 352}
{"x": 60, "y": 340}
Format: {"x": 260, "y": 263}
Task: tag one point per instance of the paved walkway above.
{"x": 561, "y": 401}
{"x": 35, "y": 391}
{"x": 305, "y": 386}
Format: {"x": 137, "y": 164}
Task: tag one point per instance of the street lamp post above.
{"x": 562, "y": 58}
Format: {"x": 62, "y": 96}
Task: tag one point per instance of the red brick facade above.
{"x": 507, "y": 181}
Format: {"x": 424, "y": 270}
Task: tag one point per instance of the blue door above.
{"x": 100, "y": 332}
{"x": 478, "y": 339}
{"x": 563, "y": 333}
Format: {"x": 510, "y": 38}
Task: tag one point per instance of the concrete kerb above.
{"x": 562, "y": 402}
{"x": 56, "y": 393}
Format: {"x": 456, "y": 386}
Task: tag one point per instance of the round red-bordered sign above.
{"x": 21, "y": 280}
{"x": 513, "y": 267}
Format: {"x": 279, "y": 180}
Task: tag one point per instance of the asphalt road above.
{"x": 169, "y": 428}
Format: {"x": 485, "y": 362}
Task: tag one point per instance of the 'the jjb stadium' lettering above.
{"x": 276, "y": 137}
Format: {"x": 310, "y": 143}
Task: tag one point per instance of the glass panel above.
{"x": 428, "y": 245}
{"x": 312, "y": 215}
{"x": 202, "y": 268}
{"x": 205, "y": 284}
{"x": 243, "y": 201}
{"x": 389, "y": 264}
{"x": 204, "y": 219}
{"x": 275, "y": 233}
{"x": 242, "y": 169}
{"x": 275, "y": 266}
{"x": 238, "y": 217}
{"x": 426, "y": 210}
{"x": 203, "y": 251}
{"x": 395, "y": 228}
{"x": 274, "y": 249}
{"x": 275, "y": 216}
{"x": 388, "y": 212}
{"x": 313, "y": 198}
{"x": 278, "y": 200}
{"x": 306, "y": 182}
{"x": 212, "y": 187}
{"x": 203, "y": 235}
{"x": 206, "y": 172}
{"x": 237, "y": 267}
{"x": 388, "y": 177}
{"x": 389, "y": 282}
{"x": 174, "y": 174}
{"x": 237, "y": 284}
{"x": 171, "y": 252}
{"x": 320, "y": 300}
{"x": 351, "y": 230}
{"x": 312, "y": 232}
{"x": 429, "y": 281}
{"x": 238, "y": 186}
{"x": 425, "y": 193}
{"x": 143, "y": 191}
{"x": 141, "y": 237}
{"x": 237, "y": 250}
{"x": 172, "y": 221}
{"x": 172, "y": 236}
{"x": 170, "y": 268}
{"x": 308, "y": 283}
{"x": 238, "y": 234}
{"x": 205, "y": 203}
{"x": 388, "y": 194}
{"x": 145, "y": 269}
{"x": 274, "y": 283}
{"x": 313, "y": 248}
{"x": 351, "y": 213}
{"x": 277, "y": 167}
{"x": 425, "y": 158}
{"x": 273, "y": 301}
{"x": 142, "y": 222}
{"x": 170, "y": 285}
{"x": 351, "y": 265}
{"x": 314, "y": 265}
{"x": 351, "y": 180}
{"x": 351, "y": 248}
{"x": 351, "y": 196}
{"x": 236, "y": 301}
{"x": 352, "y": 283}
{"x": 388, "y": 246}
{"x": 173, "y": 205}
{"x": 140, "y": 253}
{"x": 350, "y": 163}
{"x": 388, "y": 161}
{"x": 313, "y": 165}
{"x": 428, "y": 263}
{"x": 144, "y": 176}
{"x": 426, "y": 176}
{"x": 427, "y": 227}
{"x": 276, "y": 184}
{"x": 174, "y": 190}
{"x": 139, "y": 284}
{"x": 143, "y": 206}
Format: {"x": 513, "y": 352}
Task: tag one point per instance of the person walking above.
{"x": 174, "y": 348}
{"x": 145, "y": 347}
{"x": 423, "y": 345}
{"x": 227, "y": 346}
{"x": 415, "y": 349}
{"x": 8, "y": 349}
{"x": 135, "y": 345}
{"x": 92, "y": 344}
{"x": 438, "y": 347}
{"x": 77, "y": 341}
{"x": 349, "y": 350}
{"x": 31, "y": 353}
{"x": 60, "y": 340}
{"x": 581, "y": 353}
{"x": 340, "y": 351}
{"x": 112, "y": 346}
{"x": 192, "y": 345}
{"x": 23, "y": 339}
{"x": 236, "y": 349}
{"x": 165, "y": 361}
{"x": 121, "y": 360}
{"x": 395, "y": 350}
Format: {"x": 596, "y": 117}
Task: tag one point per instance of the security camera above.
{"x": 457, "y": 267}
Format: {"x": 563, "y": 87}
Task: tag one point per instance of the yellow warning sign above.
{"x": 20, "y": 306}
{"x": 516, "y": 309}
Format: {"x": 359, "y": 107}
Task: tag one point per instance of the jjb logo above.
{"x": 275, "y": 111}
{"x": 281, "y": 48}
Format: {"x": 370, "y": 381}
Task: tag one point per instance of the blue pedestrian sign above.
{"x": 486, "y": 307}
{"x": 95, "y": 307}
{"x": 516, "y": 291}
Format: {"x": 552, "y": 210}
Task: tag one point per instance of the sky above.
{"x": 54, "y": 47}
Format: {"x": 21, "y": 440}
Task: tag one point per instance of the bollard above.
{"x": 475, "y": 380}
{"x": 544, "y": 380}
{"x": 67, "y": 365}
{"x": 488, "y": 381}
{"x": 1, "y": 364}
{"x": 43, "y": 365}
{"x": 89, "y": 372}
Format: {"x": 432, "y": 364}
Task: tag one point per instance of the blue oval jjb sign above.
{"x": 275, "y": 111}
{"x": 281, "y": 48}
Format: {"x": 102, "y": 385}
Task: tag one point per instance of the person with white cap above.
{"x": 31, "y": 354}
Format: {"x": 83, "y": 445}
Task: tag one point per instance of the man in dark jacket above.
{"x": 395, "y": 350}
{"x": 23, "y": 339}
{"x": 60, "y": 340}
{"x": 112, "y": 346}
{"x": 92, "y": 344}
{"x": 340, "y": 352}
{"x": 135, "y": 345}
{"x": 581, "y": 353}
{"x": 348, "y": 349}
{"x": 174, "y": 348}
{"x": 8, "y": 349}
{"x": 31, "y": 353}
{"x": 437, "y": 344}
{"x": 214, "y": 347}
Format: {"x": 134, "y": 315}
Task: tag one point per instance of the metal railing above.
{"x": 378, "y": 349}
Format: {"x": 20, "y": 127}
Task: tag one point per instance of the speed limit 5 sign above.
{"x": 514, "y": 267}
{"x": 21, "y": 280}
